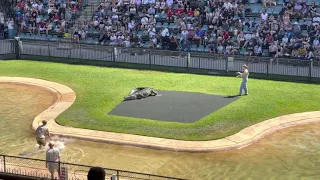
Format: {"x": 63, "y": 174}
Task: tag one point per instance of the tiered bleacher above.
{"x": 275, "y": 28}
{"x": 46, "y": 19}
{"x": 6, "y": 19}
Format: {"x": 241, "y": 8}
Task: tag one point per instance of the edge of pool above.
{"x": 65, "y": 97}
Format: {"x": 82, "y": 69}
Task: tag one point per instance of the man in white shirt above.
{"x": 244, "y": 75}
{"x": 264, "y": 15}
{"x": 285, "y": 40}
{"x": 315, "y": 43}
{"x": 169, "y": 3}
{"x": 53, "y": 159}
{"x": 165, "y": 32}
{"x": 227, "y": 5}
{"x": 41, "y": 133}
{"x": 184, "y": 34}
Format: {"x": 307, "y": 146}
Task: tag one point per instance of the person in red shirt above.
{"x": 179, "y": 11}
{"x": 170, "y": 14}
{"x": 189, "y": 12}
{"x": 74, "y": 8}
{"x": 56, "y": 17}
{"x": 226, "y": 36}
{"x": 269, "y": 38}
{"x": 43, "y": 26}
{"x": 21, "y": 4}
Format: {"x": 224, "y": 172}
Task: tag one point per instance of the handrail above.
{"x": 5, "y": 158}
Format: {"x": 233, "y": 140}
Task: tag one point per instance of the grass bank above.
{"x": 100, "y": 89}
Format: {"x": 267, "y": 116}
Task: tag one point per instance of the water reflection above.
{"x": 293, "y": 153}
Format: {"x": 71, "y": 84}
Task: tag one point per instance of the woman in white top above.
{"x": 153, "y": 42}
{"x": 152, "y": 31}
{"x": 113, "y": 39}
{"x": 120, "y": 39}
{"x": 126, "y": 43}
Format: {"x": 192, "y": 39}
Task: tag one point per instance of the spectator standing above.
{"x": 53, "y": 159}
{"x": 10, "y": 29}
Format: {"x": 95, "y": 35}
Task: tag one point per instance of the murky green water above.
{"x": 293, "y": 153}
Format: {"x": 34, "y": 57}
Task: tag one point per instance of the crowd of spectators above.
{"x": 35, "y": 16}
{"x": 218, "y": 26}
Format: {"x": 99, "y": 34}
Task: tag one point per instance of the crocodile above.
{"x": 139, "y": 93}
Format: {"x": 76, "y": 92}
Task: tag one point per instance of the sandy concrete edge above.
{"x": 65, "y": 97}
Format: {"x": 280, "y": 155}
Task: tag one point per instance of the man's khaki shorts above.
{"x": 41, "y": 141}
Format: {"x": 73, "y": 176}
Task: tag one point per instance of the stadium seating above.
{"x": 208, "y": 20}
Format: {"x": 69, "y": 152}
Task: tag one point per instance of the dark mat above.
{"x": 185, "y": 107}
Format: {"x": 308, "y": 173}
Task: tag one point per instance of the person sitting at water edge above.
{"x": 96, "y": 173}
{"x": 244, "y": 75}
{"x": 41, "y": 132}
{"x": 53, "y": 159}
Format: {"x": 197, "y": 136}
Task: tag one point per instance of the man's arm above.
{"x": 48, "y": 132}
{"x": 58, "y": 155}
{"x": 239, "y": 74}
{"x": 47, "y": 157}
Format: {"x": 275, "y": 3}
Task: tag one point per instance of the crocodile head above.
{"x": 130, "y": 97}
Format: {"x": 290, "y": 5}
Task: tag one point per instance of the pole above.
{"x": 270, "y": 66}
{"x": 149, "y": 56}
{"x": 227, "y": 61}
{"x": 4, "y": 164}
{"x": 310, "y": 69}
{"x": 49, "y": 52}
{"x": 188, "y": 60}
{"x": 267, "y": 69}
{"x": 118, "y": 175}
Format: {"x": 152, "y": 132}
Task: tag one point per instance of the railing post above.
{"x": 49, "y": 52}
{"x": 4, "y": 164}
{"x": 270, "y": 66}
{"x": 226, "y": 70}
{"x": 149, "y": 56}
{"x": 310, "y": 69}
{"x": 188, "y": 60}
{"x": 118, "y": 175}
{"x": 59, "y": 171}
{"x": 81, "y": 56}
{"x": 267, "y": 69}
{"x": 114, "y": 55}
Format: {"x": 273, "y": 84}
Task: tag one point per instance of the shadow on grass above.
{"x": 232, "y": 96}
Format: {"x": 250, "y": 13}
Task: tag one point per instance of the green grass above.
{"x": 100, "y": 89}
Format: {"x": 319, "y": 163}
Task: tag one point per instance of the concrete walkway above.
{"x": 66, "y": 96}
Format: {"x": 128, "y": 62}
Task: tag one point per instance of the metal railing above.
{"x": 265, "y": 66}
{"x": 308, "y": 70}
{"x": 37, "y": 168}
{"x": 8, "y": 49}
